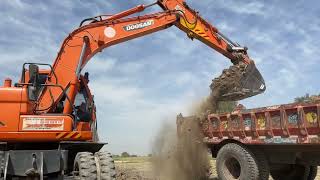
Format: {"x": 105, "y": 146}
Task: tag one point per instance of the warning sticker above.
{"x": 40, "y": 124}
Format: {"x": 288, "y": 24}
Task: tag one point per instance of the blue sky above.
{"x": 141, "y": 83}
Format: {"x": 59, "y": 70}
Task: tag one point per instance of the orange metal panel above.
{"x": 45, "y": 137}
{"x": 83, "y": 126}
{"x": 10, "y": 103}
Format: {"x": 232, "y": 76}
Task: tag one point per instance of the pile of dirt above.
{"x": 238, "y": 82}
{"x": 228, "y": 87}
{"x": 132, "y": 174}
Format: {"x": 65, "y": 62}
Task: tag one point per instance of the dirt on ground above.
{"x": 142, "y": 170}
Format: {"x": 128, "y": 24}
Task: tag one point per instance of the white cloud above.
{"x": 240, "y": 7}
{"x": 101, "y": 65}
{"x": 135, "y": 116}
{"x": 225, "y": 28}
{"x": 16, "y": 4}
{"x": 115, "y": 93}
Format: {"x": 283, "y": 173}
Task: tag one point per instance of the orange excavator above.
{"x": 48, "y": 126}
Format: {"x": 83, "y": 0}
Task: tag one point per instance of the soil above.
{"x": 143, "y": 171}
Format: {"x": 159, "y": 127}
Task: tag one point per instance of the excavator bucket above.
{"x": 238, "y": 82}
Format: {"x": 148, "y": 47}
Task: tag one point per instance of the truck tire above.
{"x": 106, "y": 167}
{"x": 236, "y": 162}
{"x": 313, "y": 172}
{"x": 263, "y": 164}
{"x": 294, "y": 171}
{"x": 84, "y": 167}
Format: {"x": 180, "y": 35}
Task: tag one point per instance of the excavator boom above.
{"x": 100, "y": 32}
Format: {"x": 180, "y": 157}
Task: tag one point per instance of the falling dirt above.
{"x": 178, "y": 151}
{"x": 227, "y": 87}
{"x": 180, "y": 158}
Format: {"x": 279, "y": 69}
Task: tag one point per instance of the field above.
{"x": 140, "y": 168}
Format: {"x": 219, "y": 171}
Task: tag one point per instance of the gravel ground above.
{"x": 142, "y": 170}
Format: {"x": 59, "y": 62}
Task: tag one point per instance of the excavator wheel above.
{"x": 106, "y": 168}
{"x": 84, "y": 167}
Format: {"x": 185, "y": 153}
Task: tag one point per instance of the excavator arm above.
{"x": 196, "y": 27}
{"x": 240, "y": 81}
{"x": 97, "y": 33}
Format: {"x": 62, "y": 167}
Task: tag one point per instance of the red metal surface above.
{"x": 283, "y": 124}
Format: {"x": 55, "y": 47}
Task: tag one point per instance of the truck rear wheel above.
{"x": 84, "y": 167}
{"x": 263, "y": 164}
{"x": 238, "y": 162}
{"x": 293, "y": 171}
{"x": 106, "y": 167}
{"x": 313, "y": 172}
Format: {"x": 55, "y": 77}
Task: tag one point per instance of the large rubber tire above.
{"x": 263, "y": 164}
{"x": 106, "y": 167}
{"x": 236, "y": 162}
{"x": 84, "y": 167}
{"x": 294, "y": 171}
{"x": 313, "y": 172}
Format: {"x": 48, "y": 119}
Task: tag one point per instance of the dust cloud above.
{"x": 178, "y": 151}
{"x": 183, "y": 158}
{"x": 180, "y": 154}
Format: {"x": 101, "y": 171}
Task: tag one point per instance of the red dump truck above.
{"x": 250, "y": 144}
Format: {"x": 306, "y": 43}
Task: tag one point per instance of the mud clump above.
{"x": 228, "y": 87}
{"x": 238, "y": 82}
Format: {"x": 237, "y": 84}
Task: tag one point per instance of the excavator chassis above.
{"x": 42, "y": 160}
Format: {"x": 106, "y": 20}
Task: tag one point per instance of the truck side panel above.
{"x": 286, "y": 124}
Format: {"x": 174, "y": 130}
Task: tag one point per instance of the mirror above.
{"x": 33, "y": 90}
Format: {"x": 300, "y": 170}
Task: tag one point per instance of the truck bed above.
{"x": 281, "y": 124}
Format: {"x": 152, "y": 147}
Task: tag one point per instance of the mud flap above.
{"x": 34, "y": 163}
{"x": 238, "y": 82}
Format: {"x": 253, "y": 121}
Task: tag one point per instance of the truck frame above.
{"x": 248, "y": 144}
